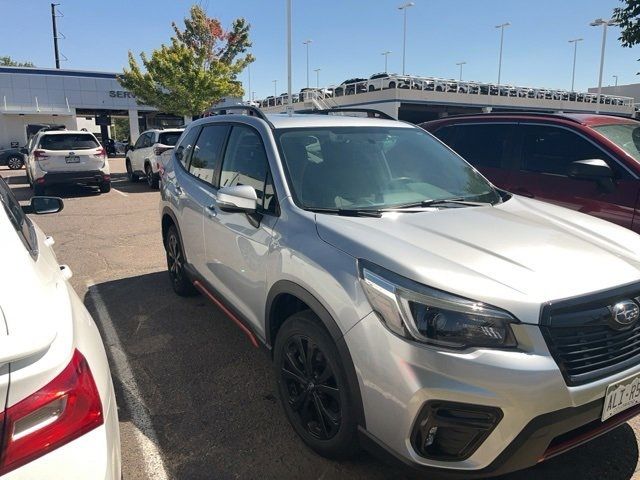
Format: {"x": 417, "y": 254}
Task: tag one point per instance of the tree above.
{"x": 121, "y": 128}
{"x": 199, "y": 68}
{"x": 628, "y": 18}
{"x": 10, "y": 62}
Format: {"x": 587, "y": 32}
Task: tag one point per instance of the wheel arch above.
{"x": 284, "y": 299}
{"x": 168, "y": 219}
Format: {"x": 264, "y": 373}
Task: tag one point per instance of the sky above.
{"x": 348, "y": 37}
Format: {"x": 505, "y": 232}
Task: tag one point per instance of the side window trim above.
{"x": 187, "y": 161}
{"x": 519, "y": 148}
{"x": 221, "y": 153}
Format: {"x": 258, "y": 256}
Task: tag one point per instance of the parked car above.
{"x": 58, "y": 408}
{"x": 12, "y": 158}
{"x": 585, "y": 162}
{"x": 351, "y": 86}
{"x": 63, "y": 157}
{"x": 143, "y": 158}
{"x": 384, "y": 81}
{"x": 407, "y": 303}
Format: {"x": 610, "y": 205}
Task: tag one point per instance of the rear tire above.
{"x": 105, "y": 187}
{"x": 180, "y": 281}
{"x": 133, "y": 178}
{"x": 152, "y": 180}
{"x": 15, "y": 162}
{"x": 313, "y": 387}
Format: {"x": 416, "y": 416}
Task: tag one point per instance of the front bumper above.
{"x": 541, "y": 415}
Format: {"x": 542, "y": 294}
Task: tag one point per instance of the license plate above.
{"x": 621, "y": 396}
{"x": 72, "y": 159}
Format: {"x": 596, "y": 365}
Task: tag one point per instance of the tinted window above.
{"x": 17, "y": 217}
{"x": 206, "y": 152}
{"x": 69, "y": 141}
{"x": 357, "y": 167}
{"x": 480, "y": 145}
{"x": 548, "y": 149}
{"x": 183, "y": 152}
{"x": 169, "y": 138}
{"x": 245, "y": 161}
{"x": 141, "y": 141}
{"x": 624, "y": 135}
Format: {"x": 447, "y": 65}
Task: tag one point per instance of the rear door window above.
{"x": 18, "y": 218}
{"x": 69, "y": 141}
{"x": 169, "y": 138}
{"x": 183, "y": 151}
{"x": 206, "y": 153}
{"x": 480, "y": 145}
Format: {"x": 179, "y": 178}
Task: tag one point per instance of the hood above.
{"x": 516, "y": 255}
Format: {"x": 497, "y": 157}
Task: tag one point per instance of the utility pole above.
{"x": 575, "y": 53}
{"x": 599, "y": 22}
{"x": 317, "y": 70}
{"x": 404, "y": 8}
{"x": 307, "y": 43}
{"x": 501, "y": 27}
{"x": 55, "y": 34}
{"x": 386, "y": 54}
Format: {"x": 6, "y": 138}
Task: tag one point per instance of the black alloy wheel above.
{"x": 130, "y": 173}
{"x": 176, "y": 265}
{"x": 15, "y": 162}
{"x": 313, "y": 387}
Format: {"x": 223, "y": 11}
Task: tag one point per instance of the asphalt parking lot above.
{"x": 196, "y": 400}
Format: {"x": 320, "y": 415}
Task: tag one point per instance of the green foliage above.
{"x": 197, "y": 69}
{"x": 121, "y": 127}
{"x": 628, "y": 18}
{"x": 10, "y": 62}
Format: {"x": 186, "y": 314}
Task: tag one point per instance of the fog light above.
{"x": 452, "y": 431}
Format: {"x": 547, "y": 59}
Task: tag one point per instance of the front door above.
{"x": 545, "y": 153}
{"x": 237, "y": 244}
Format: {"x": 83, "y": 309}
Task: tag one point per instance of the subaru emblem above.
{"x": 624, "y": 314}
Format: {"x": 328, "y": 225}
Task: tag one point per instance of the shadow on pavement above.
{"x": 121, "y": 182}
{"x": 213, "y": 403}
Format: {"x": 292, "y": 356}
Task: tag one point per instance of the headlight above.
{"x": 424, "y": 314}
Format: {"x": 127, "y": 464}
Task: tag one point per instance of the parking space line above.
{"x": 145, "y": 434}
{"x": 121, "y": 193}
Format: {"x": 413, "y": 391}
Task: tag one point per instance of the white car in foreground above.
{"x": 58, "y": 414}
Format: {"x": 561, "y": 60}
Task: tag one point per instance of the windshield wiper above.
{"x": 442, "y": 202}
{"x": 347, "y": 212}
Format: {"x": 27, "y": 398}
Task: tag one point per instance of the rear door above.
{"x": 486, "y": 146}
{"x": 545, "y": 153}
{"x": 69, "y": 152}
{"x": 142, "y": 151}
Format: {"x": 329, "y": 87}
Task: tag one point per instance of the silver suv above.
{"x": 409, "y": 306}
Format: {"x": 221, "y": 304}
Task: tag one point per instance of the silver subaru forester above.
{"x": 409, "y": 306}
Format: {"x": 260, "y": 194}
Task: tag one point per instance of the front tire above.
{"x": 313, "y": 387}
{"x": 15, "y": 162}
{"x": 133, "y": 177}
{"x": 180, "y": 282}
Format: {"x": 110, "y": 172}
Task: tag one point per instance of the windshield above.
{"x": 68, "y": 141}
{"x": 624, "y": 135}
{"x": 361, "y": 168}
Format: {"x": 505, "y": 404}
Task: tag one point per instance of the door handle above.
{"x": 179, "y": 190}
{"x": 211, "y": 211}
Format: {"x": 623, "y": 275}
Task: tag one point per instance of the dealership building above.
{"x": 76, "y": 99}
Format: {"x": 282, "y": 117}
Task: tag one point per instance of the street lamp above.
{"x": 386, "y": 54}
{"x": 307, "y": 42}
{"x": 249, "y": 81}
{"x": 599, "y": 22}
{"x": 616, "y": 77}
{"x": 317, "y": 70}
{"x": 275, "y": 88}
{"x": 460, "y": 64}
{"x": 404, "y": 8}
{"x": 575, "y": 51}
{"x": 501, "y": 27}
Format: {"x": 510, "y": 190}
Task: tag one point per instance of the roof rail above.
{"x": 563, "y": 114}
{"x": 249, "y": 109}
{"x": 52, "y": 128}
{"x": 371, "y": 113}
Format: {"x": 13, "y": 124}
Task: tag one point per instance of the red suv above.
{"x": 586, "y": 162}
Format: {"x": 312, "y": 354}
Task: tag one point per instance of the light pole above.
{"x": 604, "y": 24}
{"x": 386, "y": 54}
{"x": 249, "y": 81}
{"x": 275, "y": 88}
{"x": 307, "y": 42}
{"x": 289, "y": 80}
{"x": 616, "y": 77}
{"x": 501, "y": 27}
{"x": 575, "y": 52}
{"x": 317, "y": 70}
{"x": 460, "y": 64}
{"x": 404, "y": 8}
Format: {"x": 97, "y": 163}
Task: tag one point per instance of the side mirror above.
{"x": 44, "y": 205}
{"x": 240, "y": 198}
{"x": 596, "y": 170}
{"x": 129, "y": 147}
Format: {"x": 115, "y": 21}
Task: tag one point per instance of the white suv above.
{"x": 143, "y": 158}
{"x": 62, "y": 156}
{"x": 58, "y": 412}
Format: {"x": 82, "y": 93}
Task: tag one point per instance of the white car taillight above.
{"x": 40, "y": 154}
{"x": 66, "y": 408}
